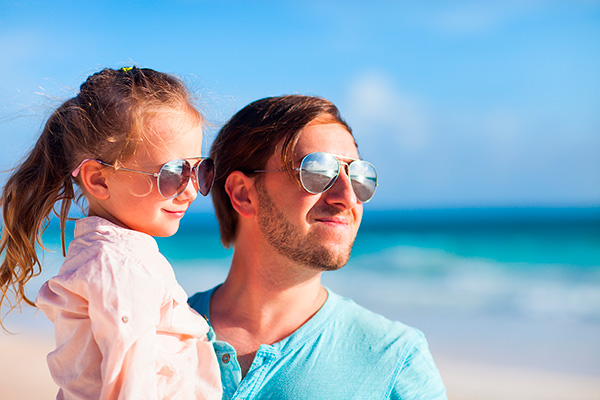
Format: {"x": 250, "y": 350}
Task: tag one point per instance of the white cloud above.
{"x": 376, "y": 106}
{"x": 479, "y": 17}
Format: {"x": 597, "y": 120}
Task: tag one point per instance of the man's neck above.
{"x": 263, "y": 304}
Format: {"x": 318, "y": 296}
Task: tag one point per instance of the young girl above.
{"x": 131, "y": 141}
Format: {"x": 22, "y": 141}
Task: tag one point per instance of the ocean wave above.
{"x": 406, "y": 276}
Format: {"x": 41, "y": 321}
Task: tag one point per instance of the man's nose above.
{"x": 342, "y": 193}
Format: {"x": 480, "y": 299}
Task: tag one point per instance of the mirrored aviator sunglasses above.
{"x": 173, "y": 176}
{"x": 319, "y": 171}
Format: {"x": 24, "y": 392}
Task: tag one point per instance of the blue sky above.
{"x": 457, "y": 103}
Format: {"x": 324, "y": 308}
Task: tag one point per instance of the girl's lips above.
{"x": 178, "y": 214}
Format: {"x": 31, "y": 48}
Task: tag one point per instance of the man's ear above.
{"x": 239, "y": 188}
{"x": 92, "y": 176}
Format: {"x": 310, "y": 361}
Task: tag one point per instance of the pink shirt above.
{"x": 123, "y": 327}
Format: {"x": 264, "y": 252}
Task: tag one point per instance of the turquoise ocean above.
{"x": 514, "y": 286}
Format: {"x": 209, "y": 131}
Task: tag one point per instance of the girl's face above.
{"x": 134, "y": 201}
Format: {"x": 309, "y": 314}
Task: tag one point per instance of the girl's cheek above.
{"x": 138, "y": 185}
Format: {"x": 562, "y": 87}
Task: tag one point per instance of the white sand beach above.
{"x": 23, "y": 370}
{"x": 481, "y": 381}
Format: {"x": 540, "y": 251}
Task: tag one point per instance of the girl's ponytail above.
{"x": 28, "y": 198}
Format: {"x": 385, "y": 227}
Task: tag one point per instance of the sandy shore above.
{"x": 23, "y": 370}
{"x": 479, "y": 381}
{"x": 24, "y": 375}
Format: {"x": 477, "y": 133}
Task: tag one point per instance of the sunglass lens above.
{"x": 205, "y": 174}
{"x": 318, "y": 172}
{"x": 364, "y": 179}
{"x": 174, "y": 177}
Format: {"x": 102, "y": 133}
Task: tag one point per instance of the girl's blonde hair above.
{"x": 105, "y": 121}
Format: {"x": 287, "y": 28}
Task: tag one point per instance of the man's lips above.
{"x": 334, "y": 221}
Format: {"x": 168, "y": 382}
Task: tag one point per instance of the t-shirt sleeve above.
{"x": 417, "y": 375}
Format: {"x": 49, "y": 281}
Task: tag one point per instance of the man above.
{"x": 288, "y": 195}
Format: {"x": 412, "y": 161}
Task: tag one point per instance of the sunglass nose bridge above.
{"x": 194, "y": 177}
{"x": 345, "y": 166}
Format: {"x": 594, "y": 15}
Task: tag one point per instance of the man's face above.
{"x": 315, "y": 230}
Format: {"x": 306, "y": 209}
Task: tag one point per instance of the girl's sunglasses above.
{"x": 319, "y": 171}
{"x": 173, "y": 176}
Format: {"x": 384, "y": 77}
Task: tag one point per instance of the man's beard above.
{"x": 302, "y": 248}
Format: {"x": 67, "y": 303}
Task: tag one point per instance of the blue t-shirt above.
{"x": 343, "y": 352}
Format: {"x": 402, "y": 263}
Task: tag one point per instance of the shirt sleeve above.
{"x": 124, "y": 311}
{"x": 417, "y": 375}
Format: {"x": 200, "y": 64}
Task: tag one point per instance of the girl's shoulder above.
{"x": 107, "y": 264}
{"x": 102, "y": 250}
{"x": 102, "y": 235}
{"x": 108, "y": 233}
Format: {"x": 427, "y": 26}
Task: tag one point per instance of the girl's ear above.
{"x": 239, "y": 188}
{"x": 93, "y": 178}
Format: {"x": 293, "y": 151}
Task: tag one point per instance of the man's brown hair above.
{"x": 250, "y": 137}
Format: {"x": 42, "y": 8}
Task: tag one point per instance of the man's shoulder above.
{"x": 346, "y": 309}
{"x": 368, "y": 326}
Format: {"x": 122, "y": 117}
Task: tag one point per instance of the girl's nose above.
{"x": 190, "y": 192}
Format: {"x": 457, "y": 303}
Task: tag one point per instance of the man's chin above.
{"x": 330, "y": 267}
{"x": 328, "y": 260}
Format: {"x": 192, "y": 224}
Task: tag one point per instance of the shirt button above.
{"x": 125, "y": 319}
{"x": 225, "y": 358}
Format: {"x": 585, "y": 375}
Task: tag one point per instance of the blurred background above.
{"x": 482, "y": 118}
